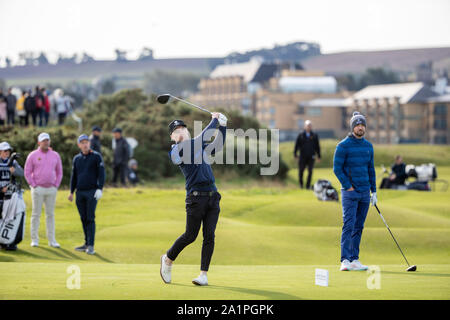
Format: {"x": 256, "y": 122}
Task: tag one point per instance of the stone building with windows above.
{"x": 284, "y": 96}
{"x": 404, "y": 113}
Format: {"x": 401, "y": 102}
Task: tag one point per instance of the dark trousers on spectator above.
{"x": 86, "y": 205}
{"x": 23, "y": 121}
{"x": 61, "y": 118}
{"x": 41, "y": 115}
{"x": 305, "y": 162}
{"x": 33, "y": 117}
{"x": 11, "y": 115}
{"x": 119, "y": 171}
{"x": 46, "y": 116}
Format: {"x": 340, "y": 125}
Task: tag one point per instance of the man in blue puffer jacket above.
{"x": 353, "y": 166}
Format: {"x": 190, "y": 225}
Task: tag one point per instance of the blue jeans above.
{"x": 86, "y": 205}
{"x": 355, "y": 206}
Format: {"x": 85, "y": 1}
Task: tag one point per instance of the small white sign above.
{"x": 322, "y": 277}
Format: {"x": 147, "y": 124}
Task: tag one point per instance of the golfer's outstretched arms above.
{"x": 211, "y": 126}
{"x": 338, "y": 167}
{"x": 219, "y": 140}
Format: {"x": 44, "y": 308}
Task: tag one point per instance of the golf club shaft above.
{"x": 398, "y": 246}
{"x": 191, "y": 104}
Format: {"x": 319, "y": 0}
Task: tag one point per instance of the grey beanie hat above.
{"x": 357, "y": 119}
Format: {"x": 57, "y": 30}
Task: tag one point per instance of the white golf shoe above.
{"x": 34, "y": 244}
{"x": 166, "y": 270}
{"x": 357, "y": 266}
{"x": 201, "y": 280}
{"x": 345, "y": 265}
{"x": 54, "y": 244}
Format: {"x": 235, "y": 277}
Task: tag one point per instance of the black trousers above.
{"x": 302, "y": 164}
{"x": 61, "y": 118}
{"x": 11, "y": 116}
{"x": 119, "y": 171}
{"x": 86, "y": 205}
{"x": 199, "y": 209}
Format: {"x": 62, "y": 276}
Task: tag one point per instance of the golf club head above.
{"x": 412, "y": 268}
{"x": 163, "y": 98}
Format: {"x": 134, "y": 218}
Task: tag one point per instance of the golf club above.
{"x": 410, "y": 268}
{"x": 164, "y": 98}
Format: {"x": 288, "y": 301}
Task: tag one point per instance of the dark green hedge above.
{"x": 139, "y": 116}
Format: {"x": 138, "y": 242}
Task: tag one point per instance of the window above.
{"x": 300, "y": 123}
{"x": 440, "y": 110}
{"x": 440, "y": 139}
{"x": 272, "y": 110}
{"x": 315, "y": 112}
{"x": 300, "y": 110}
{"x": 440, "y": 124}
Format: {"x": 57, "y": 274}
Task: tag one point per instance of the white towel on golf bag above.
{"x": 12, "y": 207}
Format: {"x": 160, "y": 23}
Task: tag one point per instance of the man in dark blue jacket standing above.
{"x": 88, "y": 178}
{"x": 354, "y": 167}
{"x": 202, "y": 198}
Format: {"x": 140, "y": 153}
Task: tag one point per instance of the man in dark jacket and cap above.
{"x": 121, "y": 156}
{"x": 95, "y": 139}
{"x": 308, "y": 144}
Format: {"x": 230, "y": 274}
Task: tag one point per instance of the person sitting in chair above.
{"x": 397, "y": 176}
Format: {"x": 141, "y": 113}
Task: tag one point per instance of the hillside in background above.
{"x": 405, "y": 61}
{"x": 130, "y": 73}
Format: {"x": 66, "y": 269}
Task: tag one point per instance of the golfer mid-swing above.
{"x": 202, "y": 198}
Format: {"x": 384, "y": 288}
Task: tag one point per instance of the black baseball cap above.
{"x": 174, "y": 124}
{"x": 96, "y": 128}
{"x": 117, "y": 130}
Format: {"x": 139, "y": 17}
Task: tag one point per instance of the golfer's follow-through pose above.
{"x": 202, "y": 198}
{"x": 354, "y": 167}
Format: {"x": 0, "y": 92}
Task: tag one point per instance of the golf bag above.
{"x": 324, "y": 191}
{"x": 12, "y": 222}
{"x": 423, "y": 174}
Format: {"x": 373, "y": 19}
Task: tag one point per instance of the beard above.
{"x": 359, "y": 133}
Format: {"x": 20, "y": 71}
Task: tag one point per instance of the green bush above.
{"x": 140, "y": 117}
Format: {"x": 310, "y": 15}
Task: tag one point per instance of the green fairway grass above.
{"x": 269, "y": 240}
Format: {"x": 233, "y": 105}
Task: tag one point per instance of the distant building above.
{"x": 404, "y": 113}
{"x": 284, "y": 96}
{"x": 232, "y": 86}
{"x": 297, "y": 96}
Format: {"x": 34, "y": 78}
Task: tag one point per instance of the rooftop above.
{"x": 406, "y": 92}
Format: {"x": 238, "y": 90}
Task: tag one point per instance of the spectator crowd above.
{"x": 33, "y": 107}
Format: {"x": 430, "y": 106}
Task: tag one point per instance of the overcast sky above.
{"x": 208, "y": 28}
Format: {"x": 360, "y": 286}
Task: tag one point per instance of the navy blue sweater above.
{"x": 197, "y": 170}
{"x": 88, "y": 172}
{"x": 353, "y": 164}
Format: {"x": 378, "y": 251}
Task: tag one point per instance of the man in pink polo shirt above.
{"x": 43, "y": 172}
